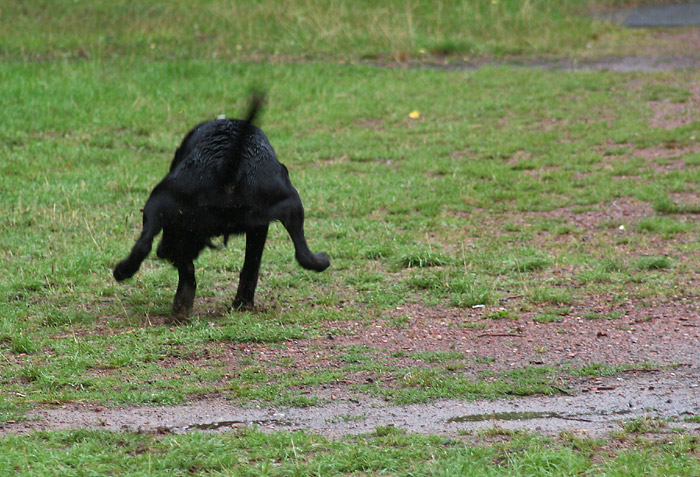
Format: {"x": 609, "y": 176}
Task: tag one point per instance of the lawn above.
{"x": 472, "y": 196}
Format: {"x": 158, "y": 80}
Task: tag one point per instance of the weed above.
{"x": 644, "y": 425}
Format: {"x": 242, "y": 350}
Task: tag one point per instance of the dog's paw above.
{"x": 242, "y": 305}
{"x": 178, "y": 318}
{"x": 322, "y": 261}
{"x": 122, "y": 271}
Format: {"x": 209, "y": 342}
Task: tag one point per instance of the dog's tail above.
{"x": 229, "y": 166}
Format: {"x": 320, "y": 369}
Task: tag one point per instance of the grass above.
{"x": 318, "y": 29}
{"x": 500, "y": 190}
{"x": 387, "y": 450}
{"x": 75, "y": 186}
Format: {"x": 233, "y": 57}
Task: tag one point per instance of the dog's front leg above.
{"x": 186, "y": 288}
{"x": 254, "y": 244}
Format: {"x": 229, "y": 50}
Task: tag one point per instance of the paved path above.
{"x": 670, "y": 15}
{"x": 672, "y": 394}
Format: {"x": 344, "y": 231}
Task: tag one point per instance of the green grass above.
{"x": 471, "y": 204}
{"x": 416, "y": 212}
{"x": 318, "y": 29}
{"x": 386, "y": 451}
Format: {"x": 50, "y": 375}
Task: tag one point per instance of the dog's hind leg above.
{"x": 130, "y": 265}
{"x": 186, "y": 289}
{"x": 254, "y": 244}
{"x": 291, "y": 213}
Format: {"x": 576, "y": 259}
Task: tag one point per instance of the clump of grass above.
{"x": 612, "y": 265}
{"x": 607, "y": 270}
{"x": 471, "y": 291}
{"x": 525, "y": 260}
{"x": 555, "y": 296}
{"x": 473, "y": 326}
{"x": 423, "y": 259}
{"x": 602, "y": 316}
{"x": 663, "y": 225}
{"x": 666, "y": 205}
{"x": 644, "y": 425}
{"x": 347, "y": 418}
{"x": 375, "y": 252}
{"x": 295, "y": 400}
{"x": 653, "y": 262}
{"x": 548, "y": 317}
{"x": 552, "y": 315}
{"x": 390, "y": 430}
{"x": 438, "y": 356}
{"x": 22, "y": 344}
{"x": 463, "y": 290}
{"x": 661, "y": 92}
{"x": 500, "y": 314}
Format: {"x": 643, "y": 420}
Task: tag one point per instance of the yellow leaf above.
{"x": 414, "y": 114}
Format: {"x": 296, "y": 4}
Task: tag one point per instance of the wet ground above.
{"x": 594, "y": 411}
{"x": 669, "y": 15}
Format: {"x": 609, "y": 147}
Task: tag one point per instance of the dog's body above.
{"x": 225, "y": 179}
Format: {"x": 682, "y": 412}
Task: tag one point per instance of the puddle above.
{"x": 530, "y": 415}
{"x": 504, "y": 416}
{"x": 224, "y": 425}
{"x": 212, "y": 426}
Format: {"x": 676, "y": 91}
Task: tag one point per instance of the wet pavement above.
{"x": 671, "y": 395}
{"x": 668, "y": 15}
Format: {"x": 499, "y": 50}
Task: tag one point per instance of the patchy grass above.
{"x": 460, "y": 231}
{"x": 522, "y": 193}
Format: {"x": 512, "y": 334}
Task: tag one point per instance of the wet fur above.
{"x": 224, "y": 179}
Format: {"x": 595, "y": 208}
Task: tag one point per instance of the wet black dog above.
{"x": 225, "y": 179}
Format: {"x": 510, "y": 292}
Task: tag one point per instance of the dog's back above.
{"x": 226, "y": 154}
{"x": 224, "y": 179}
{"x": 211, "y": 153}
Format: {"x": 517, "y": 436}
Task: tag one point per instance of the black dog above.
{"x": 225, "y": 179}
